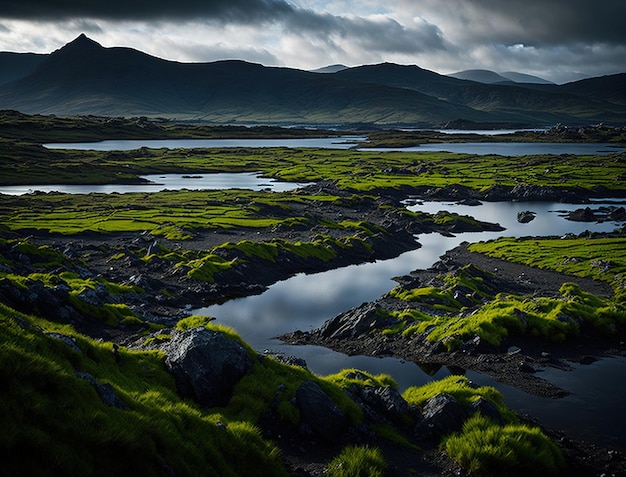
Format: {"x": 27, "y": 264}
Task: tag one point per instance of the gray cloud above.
{"x": 245, "y": 11}
{"x": 546, "y": 22}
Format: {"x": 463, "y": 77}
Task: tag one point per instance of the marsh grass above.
{"x": 358, "y": 461}
{"x": 486, "y": 449}
{"x": 68, "y": 429}
{"x": 600, "y": 258}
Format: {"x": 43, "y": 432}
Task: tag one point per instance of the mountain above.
{"x": 17, "y": 65}
{"x": 491, "y": 77}
{"x": 536, "y": 104}
{"x": 85, "y": 78}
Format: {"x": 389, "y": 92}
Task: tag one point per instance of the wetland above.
{"x": 364, "y": 262}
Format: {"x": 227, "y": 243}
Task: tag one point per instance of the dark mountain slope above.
{"x": 17, "y": 65}
{"x": 85, "y": 78}
{"x": 548, "y": 103}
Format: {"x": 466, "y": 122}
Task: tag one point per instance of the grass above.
{"x": 358, "y": 461}
{"x": 598, "y": 258}
{"x": 435, "y": 313}
{"x": 48, "y": 409}
{"x": 485, "y": 449}
{"x": 360, "y": 171}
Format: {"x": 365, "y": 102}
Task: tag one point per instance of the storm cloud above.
{"x": 558, "y": 40}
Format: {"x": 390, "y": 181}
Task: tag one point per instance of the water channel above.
{"x": 594, "y": 409}
{"x": 305, "y": 302}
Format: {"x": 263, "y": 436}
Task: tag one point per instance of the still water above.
{"x": 348, "y": 142}
{"x": 160, "y": 182}
{"x": 512, "y": 148}
{"x": 305, "y": 302}
{"x": 343, "y": 142}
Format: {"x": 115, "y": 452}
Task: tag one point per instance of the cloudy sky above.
{"x": 555, "y": 39}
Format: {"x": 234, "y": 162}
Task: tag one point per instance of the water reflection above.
{"x": 160, "y": 182}
{"x": 512, "y": 148}
{"x": 343, "y": 142}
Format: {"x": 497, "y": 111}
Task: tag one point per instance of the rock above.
{"x": 443, "y": 414}
{"x": 524, "y": 367}
{"x": 353, "y": 323}
{"x": 470, "y": 202}
{"x": 105, "y": 391}
{"x": 582, "y": 215}
{"x": 526, "y": 216}
{"x": 319, "y": 412}
{"x": 206, "y": 364}
{"x": 67, "y": 340}
{"x": 488, "y": 409}
{"x": 381, "y": 402}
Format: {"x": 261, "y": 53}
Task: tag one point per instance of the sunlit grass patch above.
{"x": 486, "y": 449}
{"x": 358, "y": 461}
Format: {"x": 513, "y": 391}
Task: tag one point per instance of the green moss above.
{"x": 486, "y": 449}
{"x": 462, "y": 389}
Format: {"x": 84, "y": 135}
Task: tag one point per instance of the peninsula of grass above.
{"x": 600, "y": 258}
{"x": 466, "y": 305}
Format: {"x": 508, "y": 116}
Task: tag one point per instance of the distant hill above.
{"x": 536, "y": 104}
{"x": 85, "y": 78}
{"x": 491, "y": 77}
{"x": 524, "y": 78}
{"x": 330, "y": 69}
{"x": 480, "y": 76}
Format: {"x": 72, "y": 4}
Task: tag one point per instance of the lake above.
{"x": 160, "y": 182}
{"x": 349, "y": 142}
{"x": 342, "y": 142}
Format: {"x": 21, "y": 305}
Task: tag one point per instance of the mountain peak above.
{"x": 82, "y": 43}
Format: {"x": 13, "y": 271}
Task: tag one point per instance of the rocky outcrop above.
{"x": 380, "y": 404}
{"x": 206, "y": 364}
{"x": 354, "y": 323}
{"x": 601, "y": 214}
{"x": 443, "y": 415}
{"x": 105, "y": 391}
{"x": 526, "y": 216}
{"x": 318, "y": 413}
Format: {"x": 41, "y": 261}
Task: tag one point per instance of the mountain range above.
{"x": 84, "y": 78}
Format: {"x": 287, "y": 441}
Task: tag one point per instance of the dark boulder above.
{"x": 488, "y": 409}
{"x": 206, "y": 364}
{"x": 380, "y": 403}
{"x": 526, "y": 216}
{"x": 443, "y": 415}
{"x": 582, "y": 215}
{"x": 353, "y": 323}
{"x": 318, "y": 412}
{"x": 105, "y": 391}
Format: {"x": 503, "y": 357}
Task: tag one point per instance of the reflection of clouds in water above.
{"x": 305, "y": 302}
